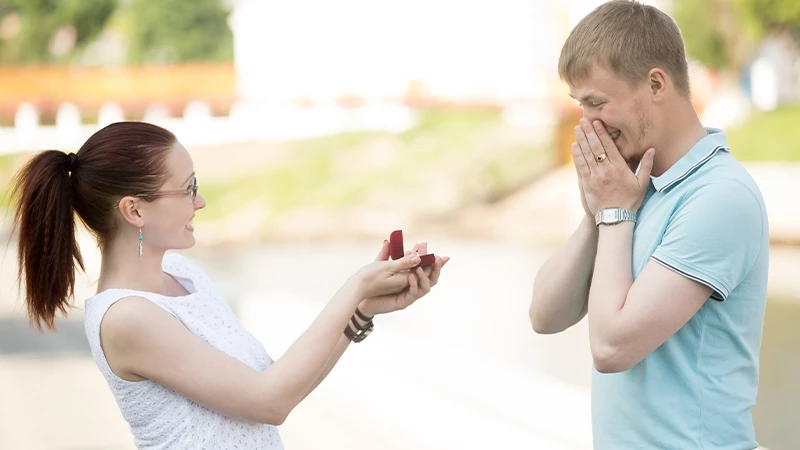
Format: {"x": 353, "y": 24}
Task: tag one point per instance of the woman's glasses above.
{"x": 191, "y": 191}
{"x": 187, "y": 192}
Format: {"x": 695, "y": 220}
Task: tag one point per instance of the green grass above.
{"x": 466, "y": 147}
{"x": 9, "y": 164}
{"x": 469, "y": 151}
{"x": 771, "y": 136}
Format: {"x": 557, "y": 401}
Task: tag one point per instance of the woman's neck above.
{"x": 122, "y": 268}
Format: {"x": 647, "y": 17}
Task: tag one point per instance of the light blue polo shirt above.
{"x": 704, "y": 218}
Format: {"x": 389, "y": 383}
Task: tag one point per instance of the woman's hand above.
{"x": 420, "y": 282}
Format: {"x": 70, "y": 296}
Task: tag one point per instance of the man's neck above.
{"x": 682, "y": 133}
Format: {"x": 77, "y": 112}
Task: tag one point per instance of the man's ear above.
{"x": 129, "y": 208}
{"x": 657, "y": 82}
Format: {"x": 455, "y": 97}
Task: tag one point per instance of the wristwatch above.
{"x": 611, "y": 216}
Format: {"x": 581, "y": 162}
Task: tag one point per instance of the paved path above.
{"x": 458, "y": 370}
{"x": 461, "y": 369}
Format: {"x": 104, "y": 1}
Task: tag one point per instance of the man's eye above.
{"x": 595, "y": 104}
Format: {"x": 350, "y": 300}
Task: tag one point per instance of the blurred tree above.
{"x": 723, "y": 34}
{"x": 763, "y": 17}
{"x": 179, "y": 30}
{"x": 41, "y": 31}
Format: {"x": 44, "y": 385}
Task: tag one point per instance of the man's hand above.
{"x": 605, "y": 179}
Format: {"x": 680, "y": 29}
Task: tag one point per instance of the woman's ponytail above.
{"x": 48, "y": 251}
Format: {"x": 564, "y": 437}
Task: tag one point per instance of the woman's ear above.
{"x": 129, "y": 208}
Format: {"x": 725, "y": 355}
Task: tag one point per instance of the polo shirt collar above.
{"x": 701, "y": 152}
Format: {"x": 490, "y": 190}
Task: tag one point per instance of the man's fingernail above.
{"x": 598, "y": 125}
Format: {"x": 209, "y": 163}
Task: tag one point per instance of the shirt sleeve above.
{"x": 714, "y": 236}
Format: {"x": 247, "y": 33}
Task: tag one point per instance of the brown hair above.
{"x": 121, "y": 159}
{"x": 629, "y": 39}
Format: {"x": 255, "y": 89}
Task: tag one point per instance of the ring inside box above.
{"x": 396, "y": 250}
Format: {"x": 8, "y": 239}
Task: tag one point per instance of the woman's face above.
{"x": 168, "y": 218}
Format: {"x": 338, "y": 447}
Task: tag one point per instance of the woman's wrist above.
{"x": 359, "y": 326}
{"x": 355, "y": 286}
{"x": 363, "y": 312}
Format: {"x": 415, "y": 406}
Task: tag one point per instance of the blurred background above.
{"x": 319, "y": 127}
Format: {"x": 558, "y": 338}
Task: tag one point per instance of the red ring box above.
{"x": 396, "y": 250}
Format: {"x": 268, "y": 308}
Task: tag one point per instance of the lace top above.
{"x": 161, "y": 418}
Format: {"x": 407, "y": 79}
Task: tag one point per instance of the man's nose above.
{"x": 591, "y": 115}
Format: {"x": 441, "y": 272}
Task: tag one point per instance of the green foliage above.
{"x": 178, "y": 30}
{"x": 157, "y": 30}
{"x": 771, "y": 136}
{"x": 703, "y": 38}
{"x": 765, "y": 16}
{"x": 723, "y": 33}
{"x": 471, "y": 151}
{"x": 40, "y": 20}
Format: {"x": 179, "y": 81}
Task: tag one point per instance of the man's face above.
{"x": 621, "y": 108}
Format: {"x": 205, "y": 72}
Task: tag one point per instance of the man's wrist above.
{"x": 614, "y": 215}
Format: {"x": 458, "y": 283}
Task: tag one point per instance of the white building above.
{"x": 389, "y": 50}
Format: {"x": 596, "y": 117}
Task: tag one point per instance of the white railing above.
{"x": 197, "y": 126}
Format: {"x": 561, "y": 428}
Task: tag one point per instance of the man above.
{"x": 670, "y": 262}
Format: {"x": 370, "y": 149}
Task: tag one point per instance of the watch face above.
{"x": 610, "y": 216}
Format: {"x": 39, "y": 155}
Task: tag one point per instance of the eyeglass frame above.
{"x": 191, "y": 191}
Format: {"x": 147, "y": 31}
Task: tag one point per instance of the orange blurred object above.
{"x": 132, "y": 87}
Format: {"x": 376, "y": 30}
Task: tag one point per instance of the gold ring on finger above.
{"x": 601, "y": 157}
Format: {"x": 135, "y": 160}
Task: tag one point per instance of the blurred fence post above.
{"x": 197, "y": 113}
{"x": 110, "y": 113}
{"x": 26, "y": 123}
{"x": 68, "y": 124}
{"x": 156, "y": 113}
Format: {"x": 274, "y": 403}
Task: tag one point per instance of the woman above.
{"x": 184, "y": 372}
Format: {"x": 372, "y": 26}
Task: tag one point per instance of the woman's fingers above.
{"x": 413, "y": 288}
{"x": 383, "y": 255}
{"x": 424, "y": 281}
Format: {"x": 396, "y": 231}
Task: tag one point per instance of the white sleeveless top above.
{"x": 161, "y": 418}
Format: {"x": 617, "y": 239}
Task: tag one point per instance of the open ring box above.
{"x": 396, "y": 250}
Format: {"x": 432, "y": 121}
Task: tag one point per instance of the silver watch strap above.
{"x": 611, "y": 216}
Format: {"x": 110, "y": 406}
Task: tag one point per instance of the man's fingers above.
{"x": 580, "y": 162}
{"x": 603, "y": 136}
{"x": 595, "y": 144}
{"x": 646, "y": 168}
{"x": 607, "y": 144}
{"x": 586, "y": 149}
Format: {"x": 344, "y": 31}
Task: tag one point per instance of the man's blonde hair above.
{"x": 629, "y": 39}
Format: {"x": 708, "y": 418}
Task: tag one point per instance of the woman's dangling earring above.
{"x": 141, "y": 238}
